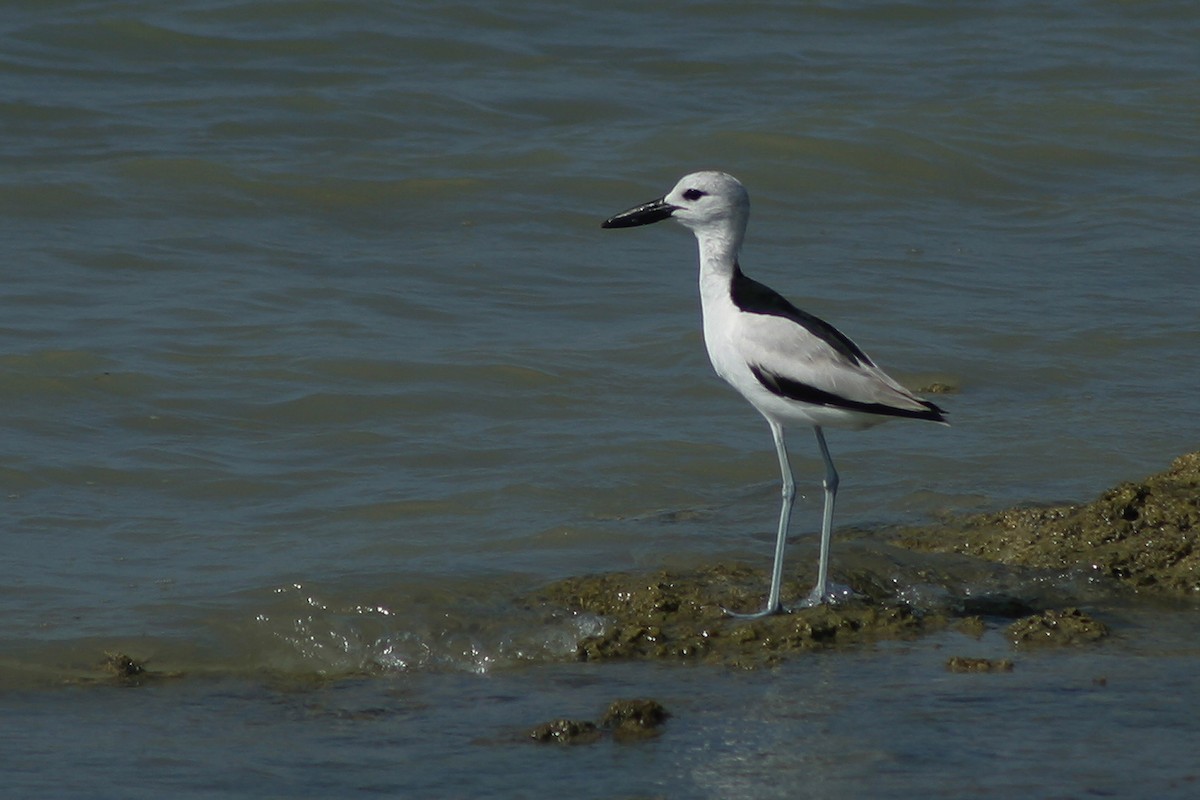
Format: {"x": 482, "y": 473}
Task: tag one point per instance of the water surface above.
{"x": 315, "y": 357}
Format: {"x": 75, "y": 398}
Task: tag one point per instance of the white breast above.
{"x": 736, "y": 339}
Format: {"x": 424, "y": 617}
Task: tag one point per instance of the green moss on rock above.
{"x": 681, "y": 616}
{"x": 1144, "y": 534}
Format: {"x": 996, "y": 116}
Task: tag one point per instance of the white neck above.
{"x": 718, "y": 259}
{"x": 718, "y": 251}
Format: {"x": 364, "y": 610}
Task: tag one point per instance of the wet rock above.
{"x": 123, "y": 667}
{"x": 681, "y": 616}
{"x": 972, "y": 626}
{"x": 1145, "y": 534}
{"x": 635, "y": 719}
{"x": 626, "y": 720}
{"x": 566, "y": 731}
{"x": 964, "y": 664}
{"x": 1056, "y": 627}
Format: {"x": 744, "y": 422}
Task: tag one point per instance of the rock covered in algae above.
{"x": 117, "y": 667}
{"x": 626, "y": 720}
{"x": 965, "y": 664}
{"x": 123, "y": 667}
{"x": 681, "y": 615}
{"x": 1145, "y": 534}
{"x": 1068, "y": 626}
{"x": 1142, "y": 533}
{"x": 566, "y": 731}
{"x": 635, "y": 719}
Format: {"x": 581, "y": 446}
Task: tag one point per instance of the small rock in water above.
{"x": 566, "y": 731}
{"x": 964, "y": 664}
{"x": 635, "y": 719}
{"x": 1068, "y": 626}
{"x": 626, "y": 719}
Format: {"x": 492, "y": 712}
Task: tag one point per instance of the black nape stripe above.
{"x": 795, "y": 390}
{"x": 753, "y": 297}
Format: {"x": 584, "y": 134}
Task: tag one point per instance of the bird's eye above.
{"x": 693, "y": 194}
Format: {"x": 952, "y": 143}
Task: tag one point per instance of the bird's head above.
{"x": 707, "y": 202}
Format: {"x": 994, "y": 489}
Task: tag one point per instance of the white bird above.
{"x": 793, "y": 367}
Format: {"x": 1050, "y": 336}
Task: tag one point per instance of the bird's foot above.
{"x": 830, "y": 593}
{"x": 769, "y": 611}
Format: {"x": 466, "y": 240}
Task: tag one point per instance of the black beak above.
{"x": 654, "y": 211}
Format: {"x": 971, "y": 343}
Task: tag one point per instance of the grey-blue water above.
{"x": 314, "y": 357}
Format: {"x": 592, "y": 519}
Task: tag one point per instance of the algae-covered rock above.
{"x": 1145, "y": 534}
{"x": 964, "y": 664}
{"x": 635, "y": 719}
{"x": 1068, "y": 626}
{"x": 626, "y": 720}
{"x": 566, "y": 731}
{"x": 120, "y": 668}
{"x": 641, "y": 713}
{"x": 123, "y": 667}
{"x": 682, "y": 616}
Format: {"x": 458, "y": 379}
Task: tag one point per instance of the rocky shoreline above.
{"x": 1137, "y": 535}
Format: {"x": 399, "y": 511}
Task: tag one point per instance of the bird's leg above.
{"x": 821, "y": 592}
{"x": 788, "y": 493}
{"x": 785, "y": 515}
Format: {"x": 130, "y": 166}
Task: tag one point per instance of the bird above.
{"x": 793, "y": 367}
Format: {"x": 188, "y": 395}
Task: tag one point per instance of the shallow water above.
{"x": 888, "y": 721}
{"x": 315, "y": 358}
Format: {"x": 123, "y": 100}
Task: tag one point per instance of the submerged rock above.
{"x": 120, "y": 668}
{"x": 1145, "y": 534}
{"x": 964, "y": 664}
{"x": 626, "y": 720}
{"x": 123, "y": 667}
{"x": 635, "y": 719}
{"x": 566, "y": 731}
